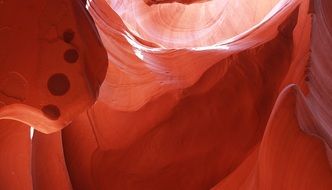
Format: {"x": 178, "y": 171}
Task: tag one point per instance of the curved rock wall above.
{"x": 154, "y": 95}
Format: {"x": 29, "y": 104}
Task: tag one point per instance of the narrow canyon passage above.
{"x": 166, "y": 94}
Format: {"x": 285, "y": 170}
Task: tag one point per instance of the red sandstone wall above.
{"x": 183, "y": 95}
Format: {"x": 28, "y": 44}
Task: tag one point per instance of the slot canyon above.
{"x": 165, "y": 94}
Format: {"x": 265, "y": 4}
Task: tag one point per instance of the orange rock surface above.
{"x": 166, "y": 95}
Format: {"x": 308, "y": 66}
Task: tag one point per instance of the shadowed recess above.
{"x": 58, "y": 84}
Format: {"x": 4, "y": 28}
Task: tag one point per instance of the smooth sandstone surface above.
{"x": 167, "y": 94}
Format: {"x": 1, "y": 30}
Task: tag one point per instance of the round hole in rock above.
{"x": 58, "y": 84}
{"x": 51, "y": 111}
{"x": 68, "y": 35}
{"x": 71, "y": 55}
